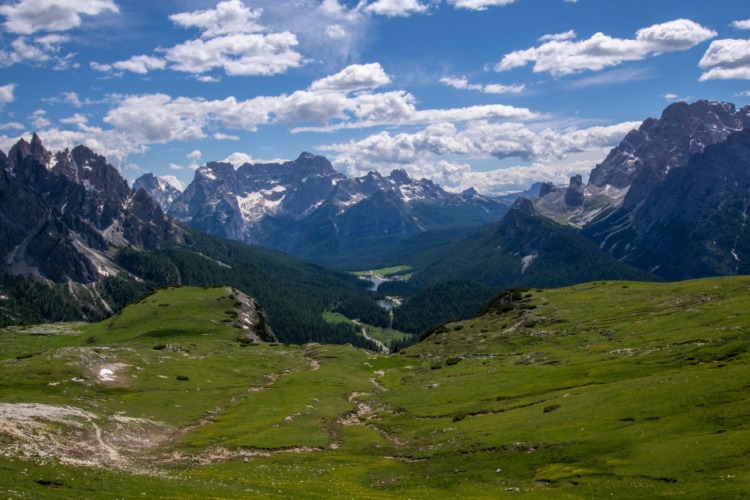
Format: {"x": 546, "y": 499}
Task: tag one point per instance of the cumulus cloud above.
{"x": 231, "y": 39}
{"x": 354, "y": 77}
{"x": 6, "y": 94}
{"x": 38, "y": 51}
{"x": 555, "y": 153}
{"x": 567, "y": 56}
{"x": 478, "y": 4}
{"x": 238, "y": 159}
{"x": 725, "y": 60}
{"x": 220, "y": 136}
{"x": 558, "y": 37}
{"x": 347, "y": 99}
{"x": 336, "y": 32}
{"x": 492, "y": 88}
{"x": 32, "y": 16}
{"x": 397, "y": 8}
{"x": 350, "y": 98}
{"x": 231, "y": 16}
{"x": 11, "y": 126}
{"x": 742, "y": 25}
{"x": 77, "y": 119}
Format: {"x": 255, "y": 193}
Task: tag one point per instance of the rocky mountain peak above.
{"x": 63, "y": 223}
{"x": 400, "y": 176}
{"x": 38, "y": 150}
{"x": 524, "y": 205}
{"x": 213, "y": 170}
{"x": 161, "y": 191}
{"x": 314, "y": 163}
{"x": 574, "y": 195}
{"x": 646, "y": 155}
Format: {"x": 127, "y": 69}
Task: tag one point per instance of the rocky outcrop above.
{"x": 62, "y": 216}
{"x": 574, "y": 194}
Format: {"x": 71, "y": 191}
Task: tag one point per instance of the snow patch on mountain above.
{"x": 255, "y": 205}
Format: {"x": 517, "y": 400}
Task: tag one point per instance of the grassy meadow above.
{"x": 621, "y": 389}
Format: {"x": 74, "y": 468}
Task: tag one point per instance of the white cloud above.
{"x": 38, "y": 119}
{"x": 336, "y": 32}
{"x": 11, "y": 126}
{"x": 555, "y": 153}
{"x": 353, "y": 77}
{"x": 31, "y": 16}
{"x": 726, "y": 59}
{"x": 492, "y": 88}
{"x": 613, "y": 77}
{"x": 194, "y": 155}
{"x": 176, "y": 167}
{"x": 343, "y": 100}
{"x": 231, "y": 39}
{"x": 229, "y": 17}
{"x": 140, "y": 64}
{"x": 219, "y": 136}
{"x": 36, "y": 51}
{"x": 478, "y": 4}
{"x": 558, "y": 37}
{"x": 76, "y": 119}
{"x": 567, "y": 56}
{"x": 6, "y": 94}
{"x": 742, "y": 25}
{"x": 348, "y": 99}
{"x": 238, "y": 159}
{"x": 237, "y": 54}
{"x": 207, "y": 78}
{"x": 397, "y": 8}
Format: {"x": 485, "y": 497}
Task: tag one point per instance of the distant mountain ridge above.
{"x": 672, "y": 197}
{"x": 308, "y": 208}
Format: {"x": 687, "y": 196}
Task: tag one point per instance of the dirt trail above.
{"x": 364, "y": 412}
{"x": 75, "y": 436}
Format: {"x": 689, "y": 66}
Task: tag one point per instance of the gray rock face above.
{"x": 574, "y": 195}
{"x": 694, "y": 223}
{"x": 648, "y": 154}
{"x": 62, "y": 216}
{"x": 160, "y": 190}
{"x": 308, "y": 208}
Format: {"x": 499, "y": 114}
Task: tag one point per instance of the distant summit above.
{"x": 308, "y": 208}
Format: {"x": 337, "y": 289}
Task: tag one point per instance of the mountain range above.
{"x": 307, "y": 208}
{"x": 670, "y": 202}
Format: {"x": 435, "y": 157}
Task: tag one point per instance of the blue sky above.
{"x": 493, "y": 94}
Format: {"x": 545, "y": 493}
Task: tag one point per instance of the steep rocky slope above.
{"x": 63, "y": 216}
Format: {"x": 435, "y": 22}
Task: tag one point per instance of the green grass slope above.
{"x": 620, "y": 389}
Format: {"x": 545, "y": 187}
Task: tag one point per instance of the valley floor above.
{"x": 618, "y": 389}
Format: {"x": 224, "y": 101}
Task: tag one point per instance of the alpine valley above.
{"x": 281, "y": 330}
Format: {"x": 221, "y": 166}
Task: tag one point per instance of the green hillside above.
{"x": 619, "y": 389}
